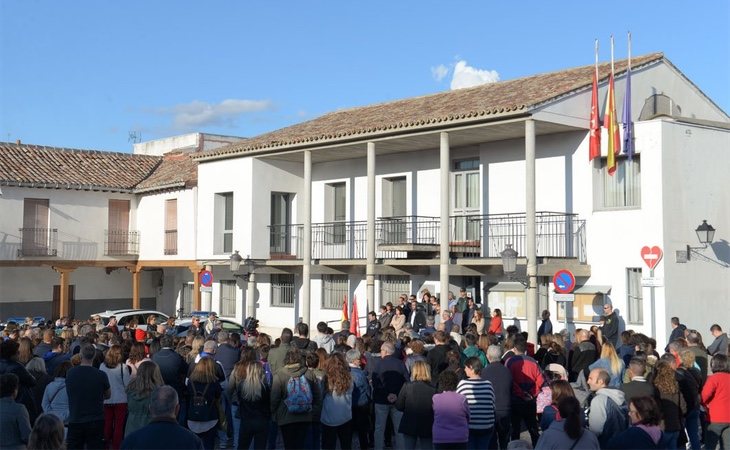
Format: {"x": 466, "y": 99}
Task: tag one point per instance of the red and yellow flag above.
{"x": 595, "y": 139}
{"x": 611, "y": 123}
{"x": 344, "y": 310}
{"x": 355, "y": 322}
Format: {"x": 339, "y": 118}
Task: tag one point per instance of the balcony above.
{"x": 559, "y": 235}
{"x": 121, "y": 243}
{"x": 38, "y": 242}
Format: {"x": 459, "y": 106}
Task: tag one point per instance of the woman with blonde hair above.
{"x": 414, "y": 400}
{"x": 248, "y": 384}
{"x": 138, "y": 396}
{"x": 398, "y": 321}
{"x": 115, "y": 407}
{"x": 204, "y": 393}
{"x": 611, "y": 363}
{"x": 479, "y": 321}
{"x": 25, "y": 350}
{"x": 671, "y": 402}
{"x": 195, "y": 348}
{"x": 336, "y": 415}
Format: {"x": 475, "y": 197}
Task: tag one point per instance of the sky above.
{"x": 86, "y": 74}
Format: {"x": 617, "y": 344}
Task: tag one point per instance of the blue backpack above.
{"x": 298, "y": 395}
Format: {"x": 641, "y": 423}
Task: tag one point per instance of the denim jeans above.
{"x": 382, "y": 414}
{"x": 692, "y": 425}
{"x": 416, "y": 443}
{"x": 502, "y": 431}
{"x": 479, "y": 439}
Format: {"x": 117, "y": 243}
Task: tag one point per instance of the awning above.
{"x": 592, "y": 289}
{"x": 507, "y": 286}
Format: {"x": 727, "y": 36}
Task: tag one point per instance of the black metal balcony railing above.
{"x": 171, "y": 242}
{"x": 121, "y": 243}
{"x": 559, "y": 235}
{"x": 38, "y": 242}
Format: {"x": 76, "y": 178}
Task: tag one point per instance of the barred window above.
{"x": 634, "y": 296}
{"x": 282, "y": 290}
{"x": 334, "y": 291}
{"x": 228, "y": 298}
{"x": 392, "y": 286}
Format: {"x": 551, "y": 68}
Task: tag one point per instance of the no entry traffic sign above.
{"x": 206, "y": 278}
{"x": 564, "y": 281}
{"x": 651, "y": 255}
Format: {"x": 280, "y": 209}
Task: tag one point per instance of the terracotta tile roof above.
{"x": 176, "y": 170}
{"x": 461, "y": 105}
{"x": 64, "y": 168}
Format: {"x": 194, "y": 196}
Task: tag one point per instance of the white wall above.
{"x": 151, "y": 211}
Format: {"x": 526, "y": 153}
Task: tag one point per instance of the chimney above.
{"x": 17, "y": 141}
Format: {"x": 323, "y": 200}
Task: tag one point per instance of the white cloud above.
{"x": 198, "y": 114}
{"x": 467, "y": 76}
{"x": 439, "y": 72}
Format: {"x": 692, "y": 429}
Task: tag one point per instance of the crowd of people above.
{"x": 417, "y": 378}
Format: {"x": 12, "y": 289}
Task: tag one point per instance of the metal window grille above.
{"x": 392, "y": 286}
{"x": 282, "y": 290}
{"x": 228, "y": 298}
{"x": 634, "y": 297}
{"x": 334, "y": 291}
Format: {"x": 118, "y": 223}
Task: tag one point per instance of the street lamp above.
{"x": 705, "y": 234}
{"x": 248, "y": 265}
{"x": 509, "y": 260}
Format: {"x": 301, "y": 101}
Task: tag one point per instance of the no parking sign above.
{"x": 564, "y": 281}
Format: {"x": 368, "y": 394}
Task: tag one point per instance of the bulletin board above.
{"x": 585, "y": 308}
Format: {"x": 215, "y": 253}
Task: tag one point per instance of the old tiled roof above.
{"x": 461, "y": 105}
{"x": 63, "y": 168}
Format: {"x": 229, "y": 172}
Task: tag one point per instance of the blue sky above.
{"x": 83, "y": 74}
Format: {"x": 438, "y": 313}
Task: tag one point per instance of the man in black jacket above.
{"x": 610, "y": 329}
{"x": 501, "y": 379}
{"x": 582, "y": 355}
{"x": 388, "y": 377}
{"x": 373, "y": 324}
{"x": 302, "y": 341}
{"x": 436, "y": 357}
{"x": 173, "y": 369}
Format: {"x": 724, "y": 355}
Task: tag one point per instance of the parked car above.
{"x": 231, "y": 326}
{"x": 125, "y": 315}
{"x": 37, "y": 320}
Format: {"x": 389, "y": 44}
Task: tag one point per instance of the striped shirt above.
{"x": 480, "y": 396}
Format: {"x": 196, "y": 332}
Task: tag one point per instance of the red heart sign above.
{"x": 651, "y": 256}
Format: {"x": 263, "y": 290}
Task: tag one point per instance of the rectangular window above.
{"x": 634, "y": 296}
{"x": 335, "y": 209}
{"x": 282, "y": 290}
{"x": 223, "y": 223}
{"x": 118, "y": 236}
{"x": 466, "y": 201}
{"x": 281, "y": 235}
{"x": 623, "y": 188}
{"x": 171, "y": 226}
{"x": 394, "y": 210}
{"x": 186, "y": 298}
{"x": 36, "y": 234}
{"x": 228, "y": 298}
{"x": 391, "y": 286}
{"x": 334, "y": 291}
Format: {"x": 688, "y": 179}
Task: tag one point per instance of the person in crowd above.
{"x": 293, "y": 408}
{"x": 46, "y": 345}
{"x": 55, "y": 397}
{"x": 163, "y": 431}
{"x": 567, "y": 431}
{"x": 480, "y": 322}
{"x": 645, "y": 431}
{"x": 689, "y": 379}
{"x": 336, "y": 416}
{"x": 495, "y": 325}
{"x": 472, "y": 350}
{"x": 716, "y": 398}
{"x": 554, "y": 354}
{"x": 385, "y": 317}
{"x": 277, "y": 355}
{"x": 671, "y": 401}
{"x": 47, "y": 433}
{"x": 611, "y": 363}
{"x": 398, "y": 321}
{"x": 559, "y": 389}
{"x": 611, "y": 321}
{"x": 323, "y": 339}
{"x": 373, "y": 324}
{"x": 138, "y": 396}
{"x": 720, "y": 345}
{"x": 479, "y": 394}
{"x": 301, "y": 340}
{"x": 361, "y": 398}
{"x": 37, "y": 369}
{"x": 414, "y": 401}
{"x": 9, "y": 354}
{"x": 196, "y": 347}
{"x": 56, "y": 356}
{"x": 204, "y": 395}
{"x": 115, "y": 407}
{"x": 527, "y": 380}
{"x": 546, "y": 326}
{"x": 173, "y": 370}
{"x": 501, "y": 379}
{"x": 429, "y": 329}
{"x": 450, "y": 414}
{"x": 695, "y": 345}
{"x": 436, "y": 357}
{"x": 211, "y": 324}
{"x": 605, "y": 415}
{"x": 678, "y": 330}
{"x": 87, "y": 388}
{"x": 626, "y": 350}
{"x": 253, "y": 394}
{"x": 638, "y": 386}
{"x": 14, "y": 420}
{"x": 583, "y": 355}
{"x": 388, "y": 377}
{"x": 137, "y": 355}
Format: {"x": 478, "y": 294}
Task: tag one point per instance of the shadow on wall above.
{"x": 721, "y": 249}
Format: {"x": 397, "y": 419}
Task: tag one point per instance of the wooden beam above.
{"x": 195, "y": 269}
{"x": 63, "y": 306}
{"x": 135, "y": 289}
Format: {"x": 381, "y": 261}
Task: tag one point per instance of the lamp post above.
{"x": 705, "y": 234}
{"x": 248, "y": 275}
{"x": 509, "y": 260}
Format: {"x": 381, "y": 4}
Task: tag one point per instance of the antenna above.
{"x": 135, "y": 137}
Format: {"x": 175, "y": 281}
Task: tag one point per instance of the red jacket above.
{"x": 527, "y": 379}
{"x": 716, "y": 396}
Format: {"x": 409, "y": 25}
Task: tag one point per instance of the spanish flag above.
{"x": 611, "y": 122}
{"x": 344, "y": 310}
{"x": 355, "y": 322}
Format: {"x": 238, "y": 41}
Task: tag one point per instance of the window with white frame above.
{"x": 335, "y": 210}
{"x": 282, "y": 290}
{"x": 623, "y": 188}
{"x": 466, "y": 199}
{"x": 394, "y": 210}
{"x": 186, "y": 298}
{"x": 223, "y": 223}
{"x": 634, "y": 298}
{"x": 228, "y": 298}
{"x": 391, "y": 286}
{"x": 334, "y": 291}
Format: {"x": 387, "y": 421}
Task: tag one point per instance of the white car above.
{"x": 125, "y": 315}
{"x": 182, "y": 326}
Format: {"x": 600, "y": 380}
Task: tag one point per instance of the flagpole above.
{"x": 630, "y": 152}
{"x": 596, "y": 58}
{"x": 612, "y": 55}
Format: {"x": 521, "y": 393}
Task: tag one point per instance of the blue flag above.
{"x": 626, "y": 123}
